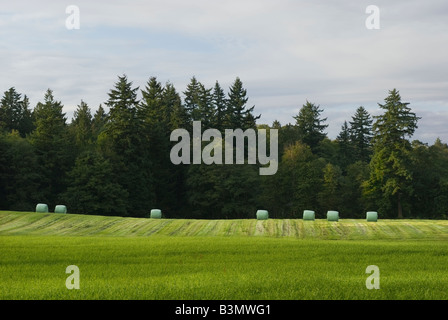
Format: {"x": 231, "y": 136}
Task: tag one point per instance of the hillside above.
{"x": 24, "y": 223}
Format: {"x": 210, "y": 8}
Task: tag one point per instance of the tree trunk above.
{"x": 400, "y": 210}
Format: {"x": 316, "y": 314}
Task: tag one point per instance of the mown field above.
{"x": 126, "y": 258}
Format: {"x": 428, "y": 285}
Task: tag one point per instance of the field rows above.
{"x": 286, "y": 259}
{"x": 21, "y": 223}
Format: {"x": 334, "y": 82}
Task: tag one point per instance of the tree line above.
{"x": 116, "y": 161}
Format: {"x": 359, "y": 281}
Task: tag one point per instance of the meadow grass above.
{"x": 165, "y": 259}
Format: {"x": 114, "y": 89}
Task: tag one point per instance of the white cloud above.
{"x": 284, "y": 51}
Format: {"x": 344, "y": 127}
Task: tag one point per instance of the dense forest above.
{"x": 116, "y": 161}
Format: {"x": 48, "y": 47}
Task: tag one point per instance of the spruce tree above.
{"x": 310, "y": 125}
{"x": 82, "y": 127}
{"x": 15, "y": 113}
{"x": 54, "y": 150}
{"x": 206, "y": 108}
{"x": 192, "y": 100}
{"x": 99, "y": 121}
{"x": 219, "y": 103}
{"x": 345, "y": 149}
{"x": 391, "y": 174}
{"x": 361, "y": 134}
{"x": 124, "y": 142}
{"x": 155, "y": 110}
{"x": 178, "y": 114}
{"x": 238, "y": 115}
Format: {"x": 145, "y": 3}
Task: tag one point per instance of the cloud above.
{"x": 284, "y": 51}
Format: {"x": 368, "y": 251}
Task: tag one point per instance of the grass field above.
{"x": 126, "y": 258}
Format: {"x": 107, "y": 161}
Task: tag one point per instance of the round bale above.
{"x": 372, "y": 216}
{"x": 333, "y": 216}
{"x": 60, "y": 209}
{"x": 42, "y": 208}
{"x": 156, "y": 214}
{"x": 262, "y": 215}
{"x": 309, "y": 215}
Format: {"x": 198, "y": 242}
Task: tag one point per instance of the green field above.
{"x": 128, "y": 258}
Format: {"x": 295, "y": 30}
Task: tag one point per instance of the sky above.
{"x": 286, "y": 52}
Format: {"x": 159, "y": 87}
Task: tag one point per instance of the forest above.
{"x": 116, "y": 161}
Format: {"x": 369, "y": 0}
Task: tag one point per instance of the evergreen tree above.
{"x": 156, "y": 112}
{"x": 53, "y": 147}
{"x": 361, "y": 134}
{"x": 152, "y": 107}
{"x": 15, "y": 113}
{"x": 430, "y": 179}
{"x": 219, "y": 103}
{"x": 99, "y": 121}
{"x": 192, "y": 100}
{"x": 345, "y": 150}
{"x": 178, "y": 113}
{"x": 238, "y": 116}
{"x": 19, "y": 173}
{"x": 178, "y": 119}
{"x": 93, "y": 187}
{"x": 206, "y": 108}
{"x": 124, "y": 142}
{"x": 391, "y": 174}
{"x": 310, "y": 125}
{"x": 82, "y": 126}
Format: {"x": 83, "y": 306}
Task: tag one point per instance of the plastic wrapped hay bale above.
{"x": 372, "y": 216}
{"x": 309, "y": 215}
{"x": 42, "y": 208}
{"x": 262, "y": 215}
{"x": 333, "y": 216}
{"x": 60, "y": 209}
{"x": 156, "y": 214}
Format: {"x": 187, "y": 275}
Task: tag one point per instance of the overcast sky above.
{"x": 284, "y": 51}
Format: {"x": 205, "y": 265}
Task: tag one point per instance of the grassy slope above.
{"x": 219, "y": 259}
{"x": 20, "y": 223}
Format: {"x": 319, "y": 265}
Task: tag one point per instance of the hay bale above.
{"x": 262, "y": 215}
{"x": 42, "y": 208}
{"x": 309, "y": 215}
{"x": 333, "y": 216}
{"x": 60, "y": 209}
{"x": 372, "y": 216}
{"x": 156, "y": 214}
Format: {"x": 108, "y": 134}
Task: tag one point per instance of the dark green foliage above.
{"x": 19, "y": 173}
{"x": 93, "y": 188}
{"x": 300, "y": 175}
{"x": 361, "y": 135}
{"x": 15, "y": 113}
{"x": 123, "y": 164}
{"x": 391, "y": 175}
{"x": 82, "y": 128}
{"x": 330, "y": 196}
{"x": 157, "y": 110}
{"x": 99, "y": 122}
{"x": 124, "y": 142}
{"x": 310, "y": 125}
{"x": 219, "y": 103}
{"x": 345, "y": 147}
{"x": 222, "y": 191}
{"x": 54, "y": 148}
{"x": 237, "y": 114}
